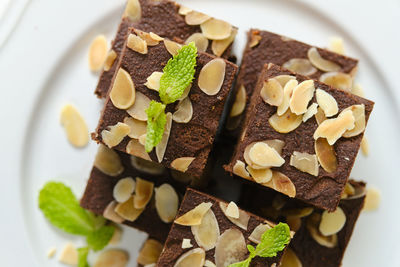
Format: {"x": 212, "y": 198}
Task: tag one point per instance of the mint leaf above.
{"x": 98, "y": 239}
{"x": 178, "y": 74}
{"x": 82, "y": 257}
{"x": 273, "y": 241}
{"x": 60, "y": 206}
{"x": 244, "y": 263}
{"x": 156, "y": 120}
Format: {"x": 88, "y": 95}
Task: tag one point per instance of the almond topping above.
{"x": 186, "y": 92}
{"x": 206, "y": 233}
{"x": 321, "y": 63}
{"x": 326, "y": 155}
{"x": 261, "y": 176}
{"x": 199, "y": 40}
{"x": 143, "y": 193}
{"x": 364, "y": 146}
{"x": 137, "y": 44}
{"x": 209, "y": 264}
{"x": 149, "y": 167}
{"x": 122, "y": 93}
{"x": 298, "y": 212}
{"x": 162, "y": 146}
{"x": 287, "y": 94}
{"x": 372, "y": 199}
{"x": 167, "y": 202}
{"x": 116, "y": 237}
{"x": 69, "y": 255}
{"x": 311, "y": 111}
{"x": 332, "y": 222}
{"x": 336, "y": 45}
{"x": 112, "y": 258}
{"x": 260, "y": 229}
{"x": 133, "y": 10}
{"x": 243, "y": 220}
{"x": 137, "y": 128}
{"x": 196, "y": 18}
{"x": 114, "y": 134}
{"x": 284, "y": 79}
{"x": 218, "y": 47}
{"x": 194, "y": 216}
{"x": 110, "y": 214}
{"x": 293, "y": 222}
{"x": 240, "y": 169}
{"x": 212, "y": 76}
{"x": 138, "y": 109}
{"x": 111, "y": 56}
{"x": 320, "y": 116}
{"x": 272, "y": 92}
{"x": 186, "y": 243}
{"x": 285, "y": 123}
{"x": 184, "y": 10}
{"x": 51, "y": 252}
{"x": 150, "y": 39}
{"x": 123, "y": 189}
{"x": 184, "y": 111}
{"x": 182, "y": 164}
{"x": 192, "y": 258}
{"x": 150, "y": 252}
{"x": 301, "y": 96}
{"x": 255, "y": 39}
{"x": 276, "y": 144}
{"x": 359, "y": 123}
{"x": 172, "y": 47}
{"x": 142, "y": 139}
{"x": 127, "y": 210}
{"x": 97, "y": 53}
{"x": 312, "y": 227}
{"x": 230, "y": 248}
{"x": 108, "y": 161}
{"x": 290, "y": 259}
{"x": 216, "y": 29}
{"x": 265, "y": 156}
{"x": 136, "y": 149}
{"x": 74, "y": 125}
{"x": 358, "y": 90}
{"x": 300, "y": 65}
{"x": 232, "y": 210}
{"x": 282, "y": 184}
{"x": 338, "y": 80}
{"x": 327, "y": 103}
{"x": 240, "y": 102}
{"x": 305, "y": 162}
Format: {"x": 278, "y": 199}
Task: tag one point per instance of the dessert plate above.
{"x": 45, "y": 64}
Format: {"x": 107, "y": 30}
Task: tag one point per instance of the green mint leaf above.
{"x": 245, "y": 263}
{"x": 60, "y": 206}
{"x": 98, "y": 239}
{"x": 178, "y": 74}
{"x": 82, "y": 257}
{"x": 156, "y": 120}
{"x": 273, "y": 241}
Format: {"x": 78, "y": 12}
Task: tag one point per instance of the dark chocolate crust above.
{"x": 192, "y": 139}
{"x": 173, "y": 246}
{"x": 323, "y": 191}
{"x": 160, "y": 17}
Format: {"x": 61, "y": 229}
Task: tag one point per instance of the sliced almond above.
{"x": 290, "y": 259}
{"x": 215, "y": 29}
{"x": 69, "y": 255}
{"x": 136, "y": 149}
{"x": 272, "y": 92}
{"x": 311, "y": 111}
{"x": 232, "y": 210}
{"x": 110, "y": 214}
{"x": 194, "y": 216}
{"x": 284, "y": 79}
{"x": 261, "y": 176}
{"x": 282, "y": 184}
{"x": 182, "y": 164}
{"x": 153, "y": 81}
{"x": 332, "y": 222}
{"x": 199, "y": 40}
{"x": 116, "y": 237}
{"x": 137, "y": 44}
{"x": 123, "y": 189}
{"x": 51, "y": 252}
{"x": 276, "y": 144}
{"x": 333, "y": 129}
{"x": 192, "y": 258}
{"x": 184, "y": 111}
{"x": 305, "y": 162}
{"x": 150, "y": 39}
{"x": 184, "y": 10}
{"x": 150, "y": 252}
{"x": 265, "y": 156}
{"x": 143, "y": 193}
{"x": 137, "y": 128}
{"x": 300, "y": 65}
{"x": 240, "y": 102}
{"x": 218, "y": 47}
{"x": 74, "y": 125}
{"x": 364, "y": 146}
{"x": 336, "y": 45}
{"x": 186, "y": 92}
{"x": 133, "y": 10}
{"x": 212, "y": 76}
{"x": 149, "y": 167}
{"x": 162, "y": 146}
{"x": 127, "y": 210}
{"x": 114, "y": 134}
{"x": 288, "y": 87}
{"x": 326, "y": 155}
{"x": 209, "y": 264}
{"x": 97, "y": 53}
{"x": 312, "y": 227}
{"x": 338, "y": 80}
{"x": 327, "y": 103}
{"x": 142, "y": 139}
{"x": 122, "y": 92}
{"x": 243, "y": 220}
{"x": 298, "y": 212}
{"x": 372, "y": 199}
{"x": 138, "y": 109}
{"x": 357, "y": 90}
{"x": 255, "y": 39}
{"x": 301, "y": 96}
{"x": 172, "y": 47}
{"x": 320, "y": 116}
{"x": 112, "y": 258}
{"x": 321, "y": 63}
{"x": 167, "y": 202}
{"x": 293, "y": 222}
{"x": 186, "y": 243}
{"x": 110, "y": 59}
{"x": 206, "y": 233}
{"x": 196, "y": 18}
{"x": 240, "y": 169}
{"x": 260, "y": 229}
{"x": 359, "y": 123}
{"x": 230, "y": 248}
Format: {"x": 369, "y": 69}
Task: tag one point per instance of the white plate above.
{"x": 44, "y": 66}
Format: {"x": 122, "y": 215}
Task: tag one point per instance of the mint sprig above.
{"x": 82, "y": 257}
{"x": 156, "y": 120}
{"x": 273, "y": 241}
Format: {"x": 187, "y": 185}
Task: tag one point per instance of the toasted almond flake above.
{"x": 149, "y": 167}
{"x": 300, "y": 65}
{"x": 74, "y": 125}
{"x": 138, "y": 109}
{"x": 305, "y": 162}
{"x": 312, "y": 227}
{"x": 182, "y": 164}
{"x": 150, "y": 252}
{"x": 282, "y": 184}
{"x": 184, "y": 111}
{"x": 349, "y": 191}
{"x": 365, "y": 146}
{"x": 184, "y": 10}
{"x": 290, "y": 259}
{"x": 137, "y": 44}
{"x": 272, "y": 92}
{"x": 137, "y": 128}
{"x": 332, "y": 222}
{"x": 162, "y": 146}
{"x": 276, "y": 144}
{"x": 320, "y": 116}
{"x": 143, "y": 193}
{"x": 209, "y": 264}
{"x": 326, "y": 155}
{"x": 243, "y": 220}
{"x": 284, "y": 79}
{"x": 116, "y": 237}
{"x": 196, "y": 18}
{"x": 133, "y": 10}
{"x": 261, "y": 176}
{"x": 255, "y": 39}
{"x": 298, "y": 212}
{"x": 148, "y": 38}
{"x": 110, "y": 59}
{"x": 260, "y": 229}
{"x": 97, "y": 52}
{"x": 69, "y": 255}
{"x": 192, "y": 258}
{"x": 212, "y": 76}
{"x": 265, "y": 156}
{"x": 286, "y": 123}
{"x": 358, "y": 90}
{"x": 216, "y": 29}
{"x": 51, "y": 252}
{"x": 122, "y": 93}
{"x": 240, "y": 169}
{"x": 156, "y": 37}
{"x": 112, "y": 258}
{"x": 338, "y": 80}
{"x": 311, "y": 111}
{"x": 166, "y": 202}
{"x": 288, "y": 87}
{"x": 359, "y": 123}
{"x": 301, "y": 96}
{"x": 293, "y": 222}
{"x": 321, "y": 63}
{"x": 230, "y": 248}
{"x": 127, "y": 210}
{"x": 195, "y": 215}
{"x": 114, "y": 134}
{"x": 206, "y": 233}
{"x": 372, "y": 199}
{"x": 336, "y": 45}
{"x": 186, "y": 92}
{"x": 218, "y": 47}
{"x": 136, "y": 149}
{"x": 240, "y": 102}
{"x": 199, "y": 40}
{"x": 172, "y": 47}
{"x": 186, "y": 243}
{"x": 142, "y": 139}
{"x": 232, "y": 210}
{"x": 123, "y": 189}
{"x": 110, "y": 214}
{"x": 333, "y": 129}
{"x": 327, "y": 103}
